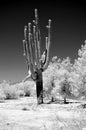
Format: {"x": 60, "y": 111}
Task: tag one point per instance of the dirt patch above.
{"x": 43, "y": 117}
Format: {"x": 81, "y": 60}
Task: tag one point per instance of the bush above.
{"x": 10, "y": 91}
{"x": 11, "y": 94}
{"x": 2, "y": 95}
{"x": 17, "y": 90}
{"x": 52, "y": 77}
{"x": 29, "y": 88}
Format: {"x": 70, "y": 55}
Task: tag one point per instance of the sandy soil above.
{"x": 24, "y": 114}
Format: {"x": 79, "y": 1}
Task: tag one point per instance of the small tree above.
{"x": 80, "y": 69}
{"x": 65, "y": 90}
{"x": 36, "y": 61}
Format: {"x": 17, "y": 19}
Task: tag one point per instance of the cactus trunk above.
{"x": 39, "y": 86}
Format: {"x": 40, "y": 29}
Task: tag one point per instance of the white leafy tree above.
{"x": 80, "y": 69}
{"x": 56, "y": 73}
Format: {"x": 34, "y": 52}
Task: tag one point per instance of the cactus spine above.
{"x": 36, "y": 61}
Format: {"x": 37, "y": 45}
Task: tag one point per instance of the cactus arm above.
{"x": 30, "y": 65}
{"x": 26, "y": 45}
{"x": 35, "y": 37}
{"x": 43, "y": 57}
{"x": 39, "y": 49}
{"x": 31, "y": 46}
{"x": 28, "y": 53}
{"x": 34, "y": 40}
{"x": 30, "y": 42}
{"x": 24, "y": 48}
{"x": 38, "y": 39}
{"x": 46, "y": 41}
{"x": 28, "y": 76}
{"x": 47, "y": 46}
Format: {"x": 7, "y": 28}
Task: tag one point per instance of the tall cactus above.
{"x": 36, "y": 61}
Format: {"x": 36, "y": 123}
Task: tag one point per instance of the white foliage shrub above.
{"x": 2, "y": 95}
{"x": 55, "y": 74}
{"x": 29, "y": 88}
{"x": 80, "y": 70}
{"x": 10, "y": 91}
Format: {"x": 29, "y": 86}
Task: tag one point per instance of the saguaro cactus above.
{"x": 36, "y": 61}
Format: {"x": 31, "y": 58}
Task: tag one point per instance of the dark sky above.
{"x": 68, "y": 32}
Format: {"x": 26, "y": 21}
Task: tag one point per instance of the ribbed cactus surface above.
{"x": 36, "y": 60}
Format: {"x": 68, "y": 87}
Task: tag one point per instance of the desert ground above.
{"x": 25, "y": 114}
